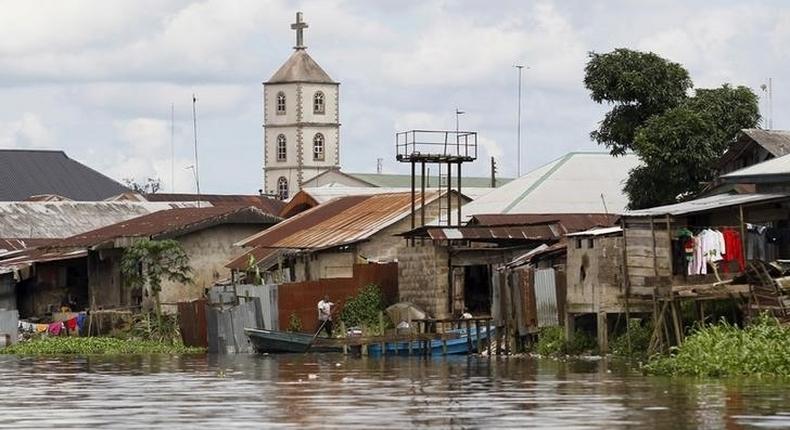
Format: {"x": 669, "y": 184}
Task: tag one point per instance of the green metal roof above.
{"x": 404, "y": 181}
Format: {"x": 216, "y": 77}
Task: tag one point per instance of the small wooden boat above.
{"x": 273, "y": 341}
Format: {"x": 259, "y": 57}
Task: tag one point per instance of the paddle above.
{"x": 321, "y": 327}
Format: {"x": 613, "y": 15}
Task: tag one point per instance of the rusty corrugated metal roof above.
{"x": 8, "y": 245}
{"x": 262, "y": 256}
{"x": 570, "y": 223}
{"x": 266, "y": 204}
{"x": 27, "y": 257}
{"x": 170, "y": 223}
{"x": 340, "y": 221}
{"x": 549, "y": 231}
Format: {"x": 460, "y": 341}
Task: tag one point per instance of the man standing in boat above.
{"x": 325, "y": 315}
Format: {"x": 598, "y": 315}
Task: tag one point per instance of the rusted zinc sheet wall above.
{"x": 523, "y": 280}
{"x": 546, "y": 297}
{"x": 192, "y": 322}
{"x": 301, "y": 298}
{"x": 383, "y": 275}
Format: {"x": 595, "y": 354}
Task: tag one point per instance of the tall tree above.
{"x": 678, "y": 137}
{"x": 680, "y": 147}
{"x": 638, "y": 85}
{"x": 150, "y": 186}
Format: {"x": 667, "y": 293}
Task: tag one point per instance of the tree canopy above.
{"x": 678, "y": 137}
{"x": 148, "y": 262}
{"x": 638, "y": 85}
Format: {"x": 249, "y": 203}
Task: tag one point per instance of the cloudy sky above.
{"x": 97, "y": 78}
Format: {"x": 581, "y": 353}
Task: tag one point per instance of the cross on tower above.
{"x": 299, "y": 26}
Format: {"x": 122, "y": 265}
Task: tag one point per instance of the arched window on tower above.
{"x": 318, "y": 147}
{"x": 318, "y": 103}
{"x": 282, "y": 188}
{"x": 281, "y": 103}
{"x": 282, "y": 148}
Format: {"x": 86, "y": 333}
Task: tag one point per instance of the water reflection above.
{"x": 312, "y": 391}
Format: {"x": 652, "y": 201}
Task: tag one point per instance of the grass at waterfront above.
{"x": 96, "y": 345}
{"x": 762, "y": 348}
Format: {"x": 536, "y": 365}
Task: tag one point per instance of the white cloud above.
{"x": 28, "y": 131}
{"x": 145, "y": 152}
{"x": 96, "y": 78}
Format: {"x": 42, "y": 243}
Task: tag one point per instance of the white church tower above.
{"x": 301, "y": 120}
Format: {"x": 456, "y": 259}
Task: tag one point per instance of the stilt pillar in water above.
{"x": 603, "y": 333}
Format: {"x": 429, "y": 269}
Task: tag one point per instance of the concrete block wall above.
{"x": 209, "y": 250}
{"x": 423, "y": 278}
{"x": 601, "y": 289}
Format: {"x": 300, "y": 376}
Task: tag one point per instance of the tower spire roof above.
{"x": 300, "y": 67}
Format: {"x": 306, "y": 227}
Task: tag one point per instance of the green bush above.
{"x": 294, "y": 323}
{"x": 640, "y": 340}
{"x": 68, "y": 345}
{"x": 723, "y": 349}
{"x": 363, "y": 309}
{"x": 551, "y": 341}
{"x": 580, "y": 343}
{"x": 148, "y": 326}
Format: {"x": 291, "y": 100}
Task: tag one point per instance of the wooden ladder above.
{"x": 765, "y": 293}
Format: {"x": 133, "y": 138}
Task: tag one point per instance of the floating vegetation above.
{"x": 96, "y": 345}
{"x": 723, "y": 349}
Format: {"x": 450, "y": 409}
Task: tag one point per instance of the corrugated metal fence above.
{"x": 9, "y": 326}
{"x": 226, "y": 326}
{"x": 300, "y": 298}
{"x": 267, "y": 294}
{"x": 7, "y": 294}
{"x": 192, "y": 323}
{"x": 546, "y": 298}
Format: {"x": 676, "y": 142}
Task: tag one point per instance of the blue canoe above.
{"x": 456, "y": 346}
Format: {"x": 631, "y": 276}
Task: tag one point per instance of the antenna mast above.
{"x": 172, "y": 148}
{"x": 194, "y": 130}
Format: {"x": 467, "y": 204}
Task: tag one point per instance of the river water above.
{"x": 333, "y": 391}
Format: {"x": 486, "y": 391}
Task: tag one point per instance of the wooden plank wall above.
{"x": 648, "y": 250}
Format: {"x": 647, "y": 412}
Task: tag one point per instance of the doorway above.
{"x": 477, "y": 289}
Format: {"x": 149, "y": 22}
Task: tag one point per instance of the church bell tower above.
{"x": 301, "y": 121}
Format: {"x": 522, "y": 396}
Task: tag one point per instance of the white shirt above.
{"x": 325, "y": 310}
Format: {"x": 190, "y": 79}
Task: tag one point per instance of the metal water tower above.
{"x": 450, "y": 148}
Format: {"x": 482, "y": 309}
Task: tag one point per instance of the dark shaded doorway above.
{"x": 477, "y": 289}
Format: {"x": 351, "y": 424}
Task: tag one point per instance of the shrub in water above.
{"x": 725, "y": 350}
{"x": 551, "y": 341}
{"x": 640, "y": 340}
{"x": 294, "y": 322}
{"x": 364, "y": 308}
